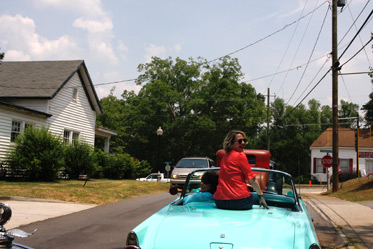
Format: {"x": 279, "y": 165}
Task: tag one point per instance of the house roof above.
{"x": 346, "y": 138}
{"x": 43, "y": 79}
{"x": 24, "y": 110}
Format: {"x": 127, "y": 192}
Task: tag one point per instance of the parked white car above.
{"x": 154, "y": 177}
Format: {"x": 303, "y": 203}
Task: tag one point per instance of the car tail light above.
{"x": 314, "y": 246}
{"x": 132, "y": 242}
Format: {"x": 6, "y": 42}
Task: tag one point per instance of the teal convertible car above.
{"x": 199, "y": 225}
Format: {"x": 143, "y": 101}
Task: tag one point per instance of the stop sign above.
{"x": 327, "y": 161}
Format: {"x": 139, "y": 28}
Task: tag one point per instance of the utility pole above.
{"x": 268, "y": 118}
{"x": 268, "y": 147}
{"x": 335, "y": 69}
{"x": 357, "y": 146}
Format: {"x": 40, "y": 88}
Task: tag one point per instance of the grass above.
{"x": 107, "y": 191}
{"x": 94, "y": 192}
{"x": 359, "y": 189}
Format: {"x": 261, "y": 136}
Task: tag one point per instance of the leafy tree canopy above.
{"x": 194, "y": 102}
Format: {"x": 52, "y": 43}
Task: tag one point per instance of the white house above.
{"x": 58, "y": 95}
{"x": 348, "y": 159}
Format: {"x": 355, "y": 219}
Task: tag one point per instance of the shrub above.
{"x": 123, "y": 166}
{"x": 101, "y": 160}
{"x": 79, "y": 159}
{"x": 345, "y": 176}
{"x": 39, "y": 153}
{"x": 314, "y": 179}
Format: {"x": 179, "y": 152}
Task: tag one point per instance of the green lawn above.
{"x": 359, "y": 189}
{"x": 107, "y": 191}
{"x": 94, "y": 192}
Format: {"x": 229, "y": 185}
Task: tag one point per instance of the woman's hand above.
{"x": 262, "y": 202}
{"x": 255, "y": 184}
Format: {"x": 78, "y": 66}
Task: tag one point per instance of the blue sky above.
{"x": 275, "y": 40}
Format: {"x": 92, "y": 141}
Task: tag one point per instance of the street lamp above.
{"x": 159, "y": 134}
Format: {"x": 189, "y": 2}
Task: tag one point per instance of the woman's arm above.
{"x": 255, "y": 184}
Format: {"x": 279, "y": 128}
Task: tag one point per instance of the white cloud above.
{"x": 93, "y": 26}
{"x": 105, "y": 51}
{"x": 22, "y": 42}
{"x": 103, "y": 91}
{"x": 84, "y": 7}
{"x": 177, "y": 48}
{"x": 153, "y": 50}
{"x": 123, "y": 49}
{"x": 15, "y": 55}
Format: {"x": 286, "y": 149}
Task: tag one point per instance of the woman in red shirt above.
{"x": 235, "y": 172}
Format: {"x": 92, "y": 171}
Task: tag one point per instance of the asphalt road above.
{"x": 107, "y": 226}
{"x": 326, "y": 232}
{"x": 104, "y": 226}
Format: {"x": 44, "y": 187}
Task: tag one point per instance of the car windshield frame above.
{"x": 279, "y": 184}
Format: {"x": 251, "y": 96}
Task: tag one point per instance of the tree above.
{"x": 348, "y": 110}
{"x": 2, "y": 55}
{"x": 368, "y": 108}
{"x": 292, "y": 132}
{"x": 195, "y": 103}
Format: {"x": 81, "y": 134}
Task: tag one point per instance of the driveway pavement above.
{"x": 353, "y": 220}
{"x": 26, "y": 210}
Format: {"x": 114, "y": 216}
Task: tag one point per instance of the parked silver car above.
{"x": 187, "y": 165}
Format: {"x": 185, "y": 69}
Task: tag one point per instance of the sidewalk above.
{"x": 354, "y": 220}
{"x": 26, "y": 210}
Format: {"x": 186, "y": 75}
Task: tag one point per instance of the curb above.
{"x": 19, "y": 198}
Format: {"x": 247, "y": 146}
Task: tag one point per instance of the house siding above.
{"x": 6, "y": 118}
{"x": 344, "y": 153}
{"x": 73, "y": 115}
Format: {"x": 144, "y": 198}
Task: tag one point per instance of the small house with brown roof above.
{"x": 348, "y": 159}
{"x": 58, "y": 95}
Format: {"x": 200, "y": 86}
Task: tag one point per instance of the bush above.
{"x": 345, "y": 176}
{"x": 314, "y": 179}
{"x": 123, "y": 166}
{"x": 101, "y": 160}
{"x": 39, "y": 153}
{"x": 79, "y": 160}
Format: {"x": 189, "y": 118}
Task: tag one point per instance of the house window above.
{"x": 75, "y": 137}
{"x": 16, "y": 130}
{"x": 70, "y": 136}
{"x": 75, "y": 94}
{"x": 344, "y": 165}
{"x": 369, "y": 165}
{"x": 66, "y": 137}
{"x": 319, "y": 167}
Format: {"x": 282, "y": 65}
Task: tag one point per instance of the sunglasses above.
{"x": 242, "y": 140}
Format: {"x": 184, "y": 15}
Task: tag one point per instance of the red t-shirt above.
{"x": 234, "y": 172}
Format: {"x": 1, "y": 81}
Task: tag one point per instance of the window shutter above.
{"x": 350, "y": 166}
{"x": 314, "y": 165}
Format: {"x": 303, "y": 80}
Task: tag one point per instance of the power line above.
{"x": 287, "y": 48}
{"x": 309, "y": 59}
{"x": 358, "y": 52}
{"x": 266, "y": 37}
{"x": 354, "y": 21}
{"x": 358, "y": 32}
{"x": 114, "y": 82}
{"x": 362, "y": 26}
